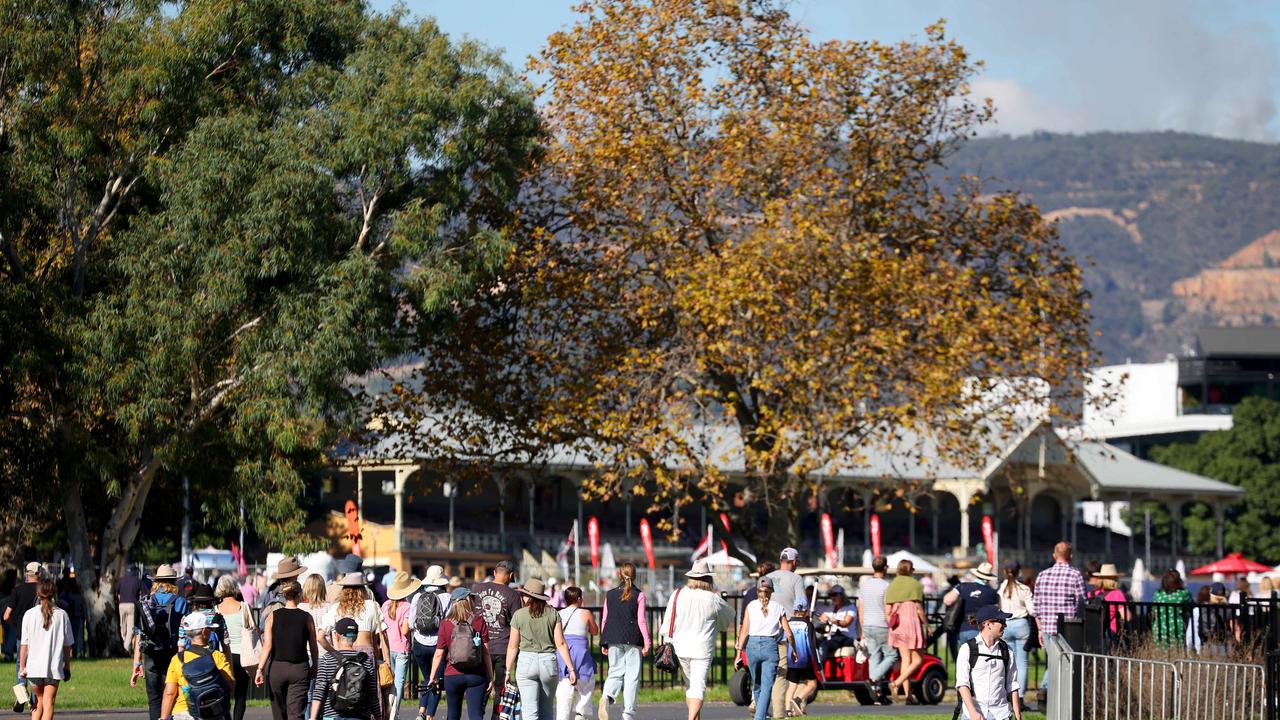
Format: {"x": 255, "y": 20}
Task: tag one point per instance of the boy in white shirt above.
{"x": 986, "y": 675}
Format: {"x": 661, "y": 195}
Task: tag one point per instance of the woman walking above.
{"x": 904, "y": 606}
{"x": 694, "y": 615}
{"x": 289, "y": 655}
{"x": 1018, "y": 602}
{"x": 462, "y": 651}
{"x": 426, "y": 612}
{"x": 353, "y": 602}
{"x": 239, "y": 623}
{"x": 579, "y": 627}
{"x": 624, "y": 636}
{"x": 395, "y": 615}
{"x": 44, "y": 659}
{"x": 536, "y": 638}
{"x": 762, "y": 624}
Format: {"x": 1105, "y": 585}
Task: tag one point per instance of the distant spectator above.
{"x": 70, "y": 599}
{"x": 788, "y": 585}
{"x": 905, "y": 600}
{"x": 1058, "y": 591}
{"x": 1017, "y": 601}
{"x": 45, "y": 657}
{"x": 238, "y": 624}
{"x": 974, "y": 594}
{"x": 697, "y": 614}
{"x": 497, "y": 602}
{"x": 128, "y": 592}
{"x": 874, "y": 626}
{"x": 24, "y": 598}
{"x": 1171, "y": 601}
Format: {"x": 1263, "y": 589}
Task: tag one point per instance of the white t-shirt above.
{"x": 761, "y": 625}
{"x": 45, "y": 657}
{"x": 871, "y": 590}
{"x": 369, "y": 620}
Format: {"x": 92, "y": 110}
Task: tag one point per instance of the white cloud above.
{"x": 1020, "y": 111}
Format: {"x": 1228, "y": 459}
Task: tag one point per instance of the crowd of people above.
{"x": 327, "y": 650}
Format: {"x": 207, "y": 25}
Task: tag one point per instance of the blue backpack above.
{"x": 208, "y": 696}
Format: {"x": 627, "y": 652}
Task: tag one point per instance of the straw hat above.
{"x": 1107, "y": 572}
{"x": 353, "y": 579}
{"x": 699, "y": 571}
{"x": 985, "y": 572}
{"x": 435, "y": 577}
{"x": 289, "y": 568}
{"x": 403, "y": 586}
{"x": 165, "y": 572}
{"x": 534, "y": 588}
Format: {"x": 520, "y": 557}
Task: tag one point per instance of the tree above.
{"x": 216, "y": 214}
{"x": 1247, "y": 456}
{"x": 737, "y": 258}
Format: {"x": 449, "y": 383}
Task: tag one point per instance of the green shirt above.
{"x": 536, "y": 634}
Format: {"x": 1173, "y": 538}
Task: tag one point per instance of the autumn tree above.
{"x": 742, "y": 265}
{"x": 212, "y": 215}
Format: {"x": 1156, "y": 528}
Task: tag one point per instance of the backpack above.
{"x": 207, "y": 692}
{"x": 426, "y": 618}
{"x": 350, "y": 685}
{"x": 464, "y": 647}
{"x": 158, "y": 624}
{"x": 972, "y": 644}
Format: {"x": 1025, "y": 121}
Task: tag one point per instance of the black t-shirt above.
{"x": 130, "y": 588}
{"x": 974, "y": 596}
{"x": 497, "y": 604}
{"x": 24, "y": 598}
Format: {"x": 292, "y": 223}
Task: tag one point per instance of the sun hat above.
{"x": 201, "y": 593}
{"x": 789, "y": 554}
{"x": 455, "y": 582}
{"x": 196, "y": 621}
{"x": 984, "y": 572}
{"x": 1107, "y": 572}
{"x": 288, "y": 568}
{"x": 534, "y": 588}
{"x": 402, "y": 586}
{"x": 435, "y": 577}
{"x": 349, "y": 564}
{"x": 165, "y": 572}
{"x": 991, "y": 612}
{"x": 699, "y": 570}
{"x": 351, "y": 579}
{"x": 347, "y": 627}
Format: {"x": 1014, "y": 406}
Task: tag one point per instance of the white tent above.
{"x": 920, "y": 564}
{"x": 1138, "y": 583}
{"x": 722, "y": 559}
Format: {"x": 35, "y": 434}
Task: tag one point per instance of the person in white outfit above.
{"x": 579, "y": 626}
{"x": 694, "y": 616}
{"x": 1018, "y": 602}
{"x": 44, "y": 660}
{"x": 986, "y": 672}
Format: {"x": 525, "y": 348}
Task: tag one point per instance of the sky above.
{"x": 1075, "y": 66}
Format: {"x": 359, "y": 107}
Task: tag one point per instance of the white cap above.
{"x": 33, "y": 568}
{"x": 196, "y": 622}
{"x": 789, "y": 554}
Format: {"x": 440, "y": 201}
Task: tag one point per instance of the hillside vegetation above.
{"x": 1143, "y": 211}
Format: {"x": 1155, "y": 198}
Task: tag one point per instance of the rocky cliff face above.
{"x": 1243, "y": 289}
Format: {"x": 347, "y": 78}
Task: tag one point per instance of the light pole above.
{"x": 450, "y": 491}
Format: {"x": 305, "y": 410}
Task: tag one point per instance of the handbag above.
{"x": 665, "y": 658}
{"x": 894, "y": 620}
{"x": 386, "y": 676}
{"x": 250, "y": 640}
{"x": 509, "y": 702}
{"x": 954, "y": 617}
{"x": 1033, "y": 636}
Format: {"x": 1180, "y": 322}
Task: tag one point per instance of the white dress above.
{"x": 45, "y": 657}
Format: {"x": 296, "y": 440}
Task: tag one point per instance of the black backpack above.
{"x": 426, "y": 619}
{"x": 972, "y": 644}
{"x": 158, "y": 624}
{"x": 207, "y": 692}
{"x": 350, "y": 685}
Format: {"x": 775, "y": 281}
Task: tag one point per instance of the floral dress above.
{"x": 1170, "y": 623}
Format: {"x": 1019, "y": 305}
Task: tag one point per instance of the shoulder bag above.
{"x": 250, "y": 639}
{"x": 665, "y": 658}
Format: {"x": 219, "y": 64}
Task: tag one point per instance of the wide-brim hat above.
{"x": 402, "y": 586}
{"x": 699, "y": 570}
{"x": 165, "y": 572}
{"x": 201, "y": 593}
{"x": 534, "y": 588}
{"x": 289, "y": 568}
{"x": 349, "y": 564}
{"x": 1108, "y": 571}
{"x": 984, "y": 571}
{"x": 352, "y": 579}
{"x": 435, "y": 577}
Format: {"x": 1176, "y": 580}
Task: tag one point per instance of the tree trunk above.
{"x": 97, "y": 581}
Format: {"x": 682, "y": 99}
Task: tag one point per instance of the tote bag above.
{"x": 250, "y": 640}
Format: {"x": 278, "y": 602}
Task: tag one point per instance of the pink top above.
{"x": 396, "y": 639}
{"x": 642, "y": 617}
{"x": 249, "y": 593}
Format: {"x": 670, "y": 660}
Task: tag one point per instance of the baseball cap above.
{"x": 991, "y": 612}
{"x": 196, "y": 622}
{"x": 505, "y": 565}
{"x": 837, "y": 590}
{"x": 765, "y": 584}
{"x": 33, "y": 568}
{"x": 346, "y": 627}
{"x": 789, "y": 554}
{"x": 460, "y": 593}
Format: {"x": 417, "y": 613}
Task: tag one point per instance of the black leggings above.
{"x": 472, "y": 687}
{"x": 242, "y": 686}
{"x": 289, "y": 683}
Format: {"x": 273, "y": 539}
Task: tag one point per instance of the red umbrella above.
{"x": 1232, "y": 564}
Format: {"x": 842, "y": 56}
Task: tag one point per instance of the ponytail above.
{"x": 46, "y": 591}
{"x": 627, "y": 573}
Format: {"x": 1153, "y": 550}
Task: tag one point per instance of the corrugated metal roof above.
{"x": 1116, "y": 471}
{"x": 1239, "y": 341}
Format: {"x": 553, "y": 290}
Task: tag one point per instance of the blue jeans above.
{"x": 881, "y": 656}
{"x": 427, "y": 700}
{"x": 400, "y": 668}
{"x": 1016, "y": 632}
{"x": 624, "y": 673}
{"x": 762, "y": 662}
{"x": 537, "y": 677}
{"x": 965, "y": 636}
{"x": 471, "y": 687}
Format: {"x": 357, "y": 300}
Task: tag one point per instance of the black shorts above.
{"x": 800, "y": 675}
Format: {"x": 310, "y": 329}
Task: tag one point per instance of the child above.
{"x": 802, "y": 666}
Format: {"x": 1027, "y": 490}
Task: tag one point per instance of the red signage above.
{"x": 646, "y": 537}
{"x": 593, "y": 534}
{"x": 875, "y": 534}
{"x": 828, "y": 539}
{"x": 988, "y": 539}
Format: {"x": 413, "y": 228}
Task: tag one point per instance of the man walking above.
{"x": 1059, "y": 590}
{"x": 128, "y": 591}
{"x": 787, "y": 586}
{"x": 497, "y": 602}
{"x": 986, "y": 678}
{"x": 24, "y": 598}
{"x": 874, "y": 627}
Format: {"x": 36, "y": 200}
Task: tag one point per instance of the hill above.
{"x": 1174, "y": 230}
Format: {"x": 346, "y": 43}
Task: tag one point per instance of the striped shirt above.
{"x": 322, "y": 690}
{"x": 1059, "y": 590}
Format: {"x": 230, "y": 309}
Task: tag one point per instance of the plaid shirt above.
{"x": 1059, "y": 590}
